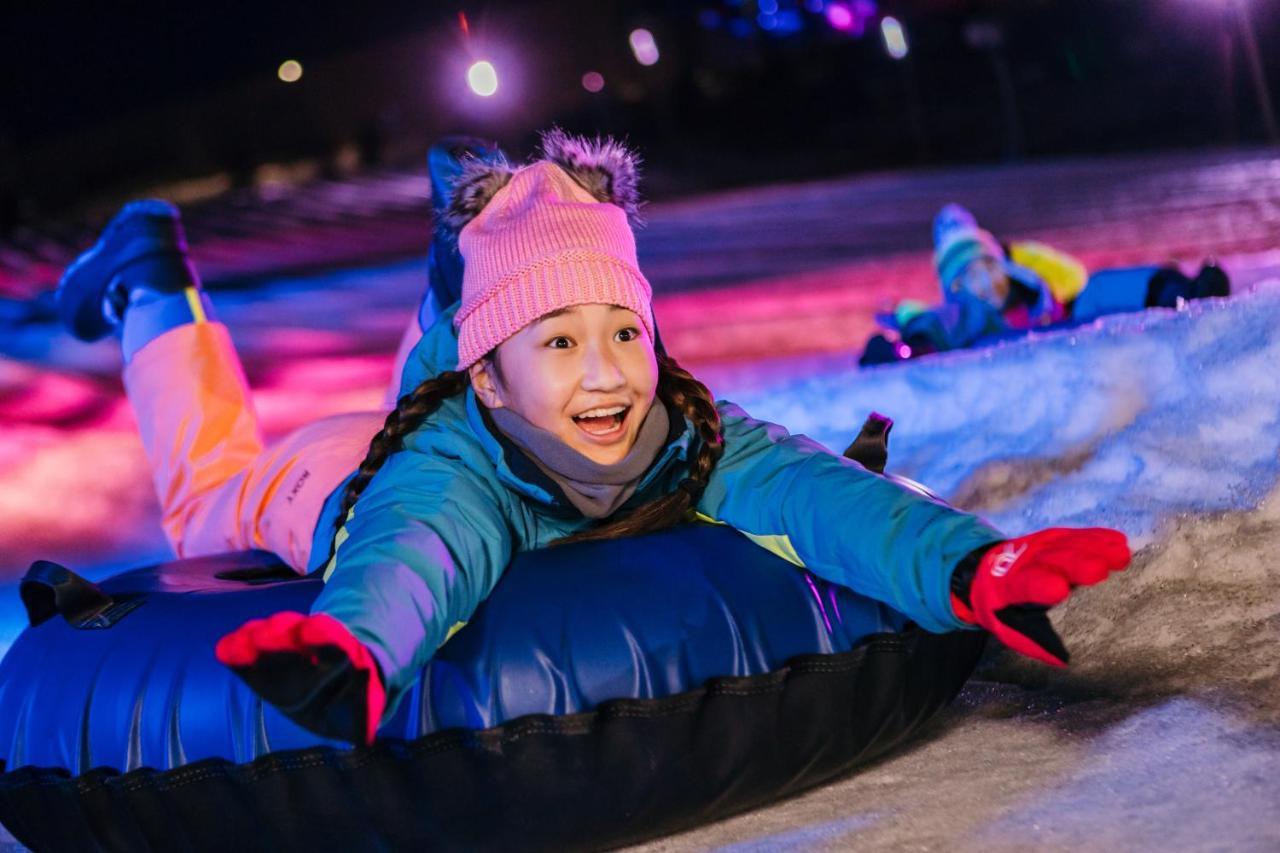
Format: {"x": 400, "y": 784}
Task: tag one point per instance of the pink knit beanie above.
{"x": 544, "y": 241}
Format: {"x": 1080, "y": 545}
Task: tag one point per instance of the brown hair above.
{"x": 676, "y": 387}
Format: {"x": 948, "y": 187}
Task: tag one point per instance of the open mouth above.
{"x": 604, "y": 422}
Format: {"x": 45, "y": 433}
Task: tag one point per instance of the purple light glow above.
{"x": 835, "y": 604}
{"x": 818, "y": 597}
{"x": 850, "y": 17}
{"x": 482, "y": 78}
{"x": 644, "y": 46}
{"x": 841, "y": 17}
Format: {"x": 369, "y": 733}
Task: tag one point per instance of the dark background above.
{"x": 102, "y": 103}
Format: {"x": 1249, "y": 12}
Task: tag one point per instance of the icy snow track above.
{"x": 1163, "y": 734}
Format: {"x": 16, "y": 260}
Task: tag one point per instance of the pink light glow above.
{"x": 835, "y": 605}
{"x": 841, "y": 17}
{"x": 643, "y": 46}
{"x": 818, "y": 597}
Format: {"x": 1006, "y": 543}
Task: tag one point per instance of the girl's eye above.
{"x": 628, "y": 334}
{"x": 559, "y": 342}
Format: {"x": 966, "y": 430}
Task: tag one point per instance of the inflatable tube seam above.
{"x": 667, "y": 764}
{"x": 576, "y": 724}
{"x": 508, "y": 733}
{"x": 439, "y": 742}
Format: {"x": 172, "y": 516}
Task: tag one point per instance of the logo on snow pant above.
{"x": 297, "y": 486}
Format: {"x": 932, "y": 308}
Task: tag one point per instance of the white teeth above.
{"x": 602, "y": 413}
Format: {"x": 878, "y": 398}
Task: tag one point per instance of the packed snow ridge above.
{"x": 1129, "y": 421}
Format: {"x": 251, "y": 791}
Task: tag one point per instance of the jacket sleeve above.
{"x": 955, "y": 324}
{"x": 840, "y": 521}
{"x": 424, "y": 546}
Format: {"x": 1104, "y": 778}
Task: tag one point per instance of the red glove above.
{"x": 313, "y": 669}
{"x": 1009, "y": 587}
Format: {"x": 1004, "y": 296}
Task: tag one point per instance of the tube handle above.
{"x": 49, "y": 589}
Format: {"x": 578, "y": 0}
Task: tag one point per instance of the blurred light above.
{"x": 346, "y": 159}
{"x": 983, "y": 35}
{"x": 895, "y": 38}
{"x": 767, "y": 7}
{"x": 593, "y": 81}
{"x": 710, "y": 19}
{"x": 766, "y": 21}
{"x": 788, "y": 21}
{"x": 482, "y": 78}
{"x": 290, "y": 71}
{"x": 815, "y": 6}
{"x": 740, "y": 28}
{"x": 643, "y": 46}
{"x": 841, "y": 17}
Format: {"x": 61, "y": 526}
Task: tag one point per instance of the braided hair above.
{"x": 676, "y": 386}
{"x": 410, "y": 411}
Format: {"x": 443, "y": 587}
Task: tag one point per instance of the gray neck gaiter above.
{"x": 595, "y": 490}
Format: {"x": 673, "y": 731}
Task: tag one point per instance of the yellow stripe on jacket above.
{"x": 1063, "y": 273}
{"x": 778, "y": 544}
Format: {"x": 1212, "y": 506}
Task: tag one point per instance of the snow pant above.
{"x": 1114, "y": 291}
{"x": 221, "y": 488}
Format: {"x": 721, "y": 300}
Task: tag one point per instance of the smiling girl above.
{"x": 560, "y": 419}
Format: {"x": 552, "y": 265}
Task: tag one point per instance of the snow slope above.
{"x": 1165, "y": 731}
{"x": 1125, "y": 422}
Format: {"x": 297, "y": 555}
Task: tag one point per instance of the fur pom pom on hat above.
{"x": 604, "y": 167}
{"x": 958, "y": 242}
{"x": 546, "y": 236}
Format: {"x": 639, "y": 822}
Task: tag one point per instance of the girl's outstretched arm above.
{"x": 426, "y": 543}
{"x": 840, "y": 521}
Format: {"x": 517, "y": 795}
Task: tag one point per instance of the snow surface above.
{"x": 1165, "y": 731}
{"x": 1126, "y": 422}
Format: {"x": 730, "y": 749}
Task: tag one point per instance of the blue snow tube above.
{"x": 605, "y": 693}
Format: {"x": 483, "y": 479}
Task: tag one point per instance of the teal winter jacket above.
{"x": 436, "y": 527}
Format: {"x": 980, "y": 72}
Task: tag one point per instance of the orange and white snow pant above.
{"x": 220, "y": 487}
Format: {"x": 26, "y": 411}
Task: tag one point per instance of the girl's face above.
{"x": 984, "y": 278}
{"x": 586, "y": 374}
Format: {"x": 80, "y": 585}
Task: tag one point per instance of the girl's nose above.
{"x": 600, "y": 371}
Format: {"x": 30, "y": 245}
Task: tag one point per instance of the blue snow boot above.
{"x": 445, "y": 162}
{"x": 140, "y": 258}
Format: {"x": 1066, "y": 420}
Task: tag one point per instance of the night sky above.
{"x": 99, "y": 100}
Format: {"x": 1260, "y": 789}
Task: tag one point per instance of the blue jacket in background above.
{"x": 963, "y": 320}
